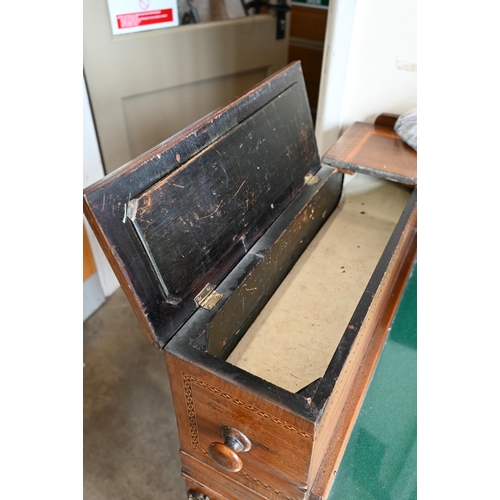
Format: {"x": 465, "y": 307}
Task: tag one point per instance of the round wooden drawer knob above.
{"x": 225, "y": 455}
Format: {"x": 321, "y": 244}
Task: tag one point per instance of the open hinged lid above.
{"x": 375, "y": 150}
{"x": 176, "y": 220}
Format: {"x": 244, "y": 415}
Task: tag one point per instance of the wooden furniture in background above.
{"x": 307, "y": 36}
{"x": 375, "y": 149}
{"x": 203, "y": 232}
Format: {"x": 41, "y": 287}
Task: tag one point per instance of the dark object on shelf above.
{"x": 280, "y": 7}
{"x": 191, "y": 16}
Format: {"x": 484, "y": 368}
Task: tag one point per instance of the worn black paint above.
{"x": 201, "y": 219}
{"x": 257, "y": 148}
{"x": 277, "y": 251}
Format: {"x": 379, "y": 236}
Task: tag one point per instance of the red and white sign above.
{"x": 132, "y": 16}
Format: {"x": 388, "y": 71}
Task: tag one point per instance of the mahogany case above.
{"x": 210, "y": 227}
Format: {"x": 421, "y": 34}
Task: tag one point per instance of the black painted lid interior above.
{"x": 186, "y": 212}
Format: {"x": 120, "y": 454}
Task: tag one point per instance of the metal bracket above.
{"x": 280, "y": 7}
{"x": 311, "y": 179}
{"x": 208, "y": 297}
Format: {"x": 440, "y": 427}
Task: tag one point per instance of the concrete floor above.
{"x": 131, "y": 448}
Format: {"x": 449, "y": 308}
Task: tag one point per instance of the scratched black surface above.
{"x": 147, "y": 250}
{"x": 198, "y": 221}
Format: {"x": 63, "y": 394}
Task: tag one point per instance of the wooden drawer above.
{"x": 267, "y": 283}
{"x": 244, "y": 486}
{"x": 210, "y": 404}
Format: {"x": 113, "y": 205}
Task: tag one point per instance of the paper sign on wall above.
{"x": 132, "y": 16}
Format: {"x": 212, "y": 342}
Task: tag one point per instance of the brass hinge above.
{"x": 311, "y": 179}
{"x": 208, "y": 297}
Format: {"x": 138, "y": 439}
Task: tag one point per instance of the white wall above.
{"x": 369, "y": 64}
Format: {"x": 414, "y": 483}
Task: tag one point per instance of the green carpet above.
{"x": 380, "y": 461}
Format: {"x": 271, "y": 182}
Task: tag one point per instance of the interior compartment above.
{"x": 293, "y": 339}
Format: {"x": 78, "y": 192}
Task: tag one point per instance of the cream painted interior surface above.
{"x": 294, "y": 338}
{"x": 145, "y": 87}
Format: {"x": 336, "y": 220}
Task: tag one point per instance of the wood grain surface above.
{"x": 308, "y": 23}
{"x": 210, "y": 393}
{"x": 277, "y": 464}
{"x": 376, "y": 150}
{"x": 334, "y": 427}
{"x": 345, "y": 400}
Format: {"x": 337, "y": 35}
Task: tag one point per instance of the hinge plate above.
{"x": 311, "y": 179}
{"x": 208, "y": 297}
